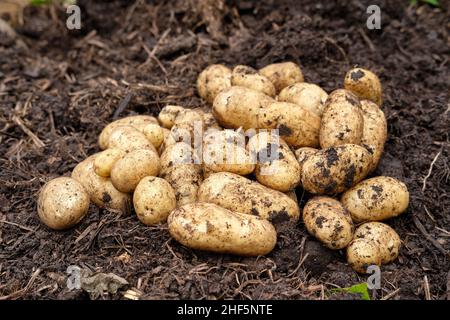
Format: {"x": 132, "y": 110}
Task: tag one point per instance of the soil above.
{"x": 58, "y": 88}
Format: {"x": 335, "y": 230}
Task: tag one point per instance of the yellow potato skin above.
{"x": 128, "y": 138}
{"x": 248, "y": 77}
{"x": 168, "y": 140}
{"x": 365, "y": 84}
{"x": 327, "y": 220}
{"x": 239, "y": 194}
{"x": 62, "y": 203}
{"x": 309, "y": 96}
{"x": 168, "y": 114}
{"x": 282, "y": 74}
{"x": 154, "y": 133}
{"x": 153, "y": 200}
{"x": 335, "y": 169}
{"x": 302, "y": 154}
{"x": 376, "y": 199}
{"x": 209, "y": 227}
{"x": 362, "y": 254}
{"x": 211, "y": 81}
{"x": 105, "y": 160}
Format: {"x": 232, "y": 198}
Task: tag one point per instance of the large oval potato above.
{"x": 361, "y": 254}
{"x": 105, "y": 160}
{"x": 62, "y": 203}
{"x": 335, "y": 169}
{"x": 213, "y": 80}
{"x": 239, "y": 194}
{"x": 365, "y": 84}
{"x": 376, "y": 199}
{"x": 168, "y": 114}
{"x": 327, "y": 220}
{"x": 282, "y": 74}
{"x": 248, "y": 77}
{"x": 206, "y": 226}
{"x": 128, "y": 138}
{"x": 307, "y": 95}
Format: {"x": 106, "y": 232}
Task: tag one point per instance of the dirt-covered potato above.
{"x": 212, "y": 81}
{"x": 376, "y": 199}
{"x": 138, "y": 122}
{"x": 361, "y": 254}
{"x": 302, "y": 154}
{"x": 128, "y": 138}
{"x": 239, "y": 194}
{"x": 209, "y": 122}
{"x": 168, "y": 114}
{"x": 209, "y": 227}
{"x": 137, "y": 164}
{"x": 100, "y": 189}
{"x": 276, "y": 165}
{"x": 154, "y": 133}
{"x": 188, "y": 127}
{"x": 62, "y": 203}
{"x": 153, "y": 200}
{"x": 382, "y": 236}
{"x": 168, "y": 140}
{"x": 307, "y": 95}
{"x": 248, "y": 77}
{"x": 336, "y": 169}
{"x": 282, "y": 74}
{"x": 327, "y": 220}
{"x": 365, "y": 84}
{"x": 342, "y": 120}
{"x": 105, "y": 160}
{"x": 374, "y": 132}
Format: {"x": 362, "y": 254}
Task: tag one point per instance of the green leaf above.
{"x": 40, "y": 2}
{"x": 360, "y": 288}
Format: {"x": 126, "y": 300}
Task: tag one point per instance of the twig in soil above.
{"x": 367, "y": 39}
{"x": 123, "y": 105}
{"x": 426, "y": 288}
{"x": 23, "y": 291}
{"x": 429, "y": 170}
{"x": 17, "y": 225}
{"x": 38, "y": 142}
{"x": 422, "y": 229}
{"x": 334, "y": 43}
{"x": 391, "y": 294}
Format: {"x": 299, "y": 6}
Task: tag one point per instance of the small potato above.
{"x": 138, "y": 122}
{"x": 376, "y": 199}
{"x": 153, "y": 200}
{"x": 188, "y": 128}
{"x": 206, "y": 226}
{"x": 361, "y": 254}
{"x": 154, "y": 133}
{"x": 365, "y": 84}
{"x": 239, "y": 194}
{"x": 128, "y": 139}
{"x": 282, "y": 74}
{"x": 168, "y": 140}
{"x": 62, "y": 203}
{"x": 327, "y": 220}
{"x": 306, "y": 95}
{"x": 342, "y": 120}
{"x": 383, "y": 237}
{"x": 105, "y": 160}
{"x": 209, "y": 121}
{"x": 128, "y": 171}
{"x": 248, "y": 77}
{"x": 168, "y": 114}
{"x": 335, "y": 169}
{"x": 213, "y": 80}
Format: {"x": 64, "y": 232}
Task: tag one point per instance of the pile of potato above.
{"x": 177, "y": 167}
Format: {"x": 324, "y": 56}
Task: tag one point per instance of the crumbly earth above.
{"x": 58, "y": 88}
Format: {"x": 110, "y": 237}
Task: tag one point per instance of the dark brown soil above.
{"x": 58, "y": 88}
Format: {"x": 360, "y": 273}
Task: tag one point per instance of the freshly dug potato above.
{"x": 62, "y": 203}
{"x": 291, "y": 194}
{"x": 376, "y": 199}
{"x": 100, "y": 189}
{"x": 276, "y": 167}
{"x": 105, "y": 160}
{"x": 374, "y": 132}
{"x": 168, "y": 140}
{"x": 342, "y": 120}
{"x": 297, "y": 126}
{"x": 154, "y": 133}
{"x": 362, "y": 254}
{"x": 128, "y": 171}
{"x": 138, "y": 122}
{"x": 128, "y": 138}
{"x": 209, "y": 227}
{"x": 335, "y": 169}
{"x": 365, "y": 84}
{"x": 327, "y": 220}
{"x": 239, "y": 194}
{"x": 248, "y": 77}
{"x": 153, "y": 200}
{"x": 168, "y": 114}
{"x": 188, "y": 128}
{"x": 282, "y": 74}
{"x": 383, "y": 237}
{"x": 302, "y": 154}
{"x": 209, "y": 121}
{"x": 212, "y": 81}
{"x": 307, "y": 95}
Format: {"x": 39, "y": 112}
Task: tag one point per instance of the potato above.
{"x": 361, "y": 254}
{"x": 100, "y": 189}
{"x": 168, "y": 140}
{"x": 153, "y": 200}
{"x": 209, "y": 227}
{"x": 182, "y": 169}
{"x": 248, "y": 77}
{"x": 302, "y": 154}
{"x": 335, "y": 169}
{"x": 209, "y": 122}
{"x": 138, "y": 122}
{"x": 342, "y": 120}
{"x": 374, "y": 132}
{"x": 188, "y": 128}
{"x": 282, "y": 74}
{"x": 62, "y": 203}
{"x": 239, "y": 194}
{"x": 291, "y": 194}
{"x": 376, "y": 199}
{"x": 128, "y": 171}
{"x": 213, "y": 80}
{"x": 239, "y": 107}
{"x": 297, "y": 126}
{"x": 277, "y": 167}
{"x": 168, "y": 114}
{"x": 154, "y": 133}
{"x": 105, "y": 160}
{"x": 365, "y": 84}
{"x": 327, "y": 220}
{"x": 128, "y": 138}
{"x": 306, "y": 95}
{"x": 383, "y": 237}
